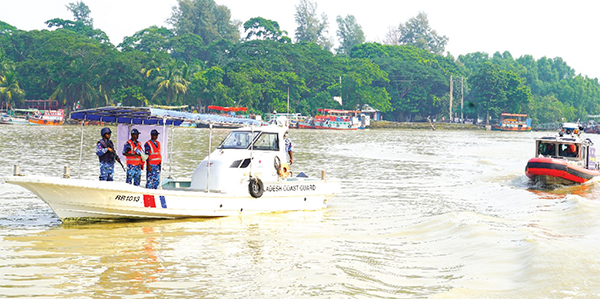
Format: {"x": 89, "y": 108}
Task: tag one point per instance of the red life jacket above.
{"x": 134, "y": 160}
{"x": 154, "y": 158}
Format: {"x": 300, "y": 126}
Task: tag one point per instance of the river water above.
{"x": 422, "y": 214}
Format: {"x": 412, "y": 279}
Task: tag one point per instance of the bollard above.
{"x": 66, "y": 173}
{"x": 323, "y": 175}
{"x": 16, "y": 171}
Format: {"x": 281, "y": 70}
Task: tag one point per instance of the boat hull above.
{"x": 557, "y": 171}
{"x": 77, "y": 199}
{"x": 37, "y": 121}
{"x": 511, "y": 129}
{"x": 333, "y": 127}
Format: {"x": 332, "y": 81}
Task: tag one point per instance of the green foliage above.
{"x": 83, "y": 24}
{"x": 496, "y": 90}
{"x": 206, "y": 19}
{"x": 261, "y": 28}
{"x": 81, "y": 13}
{"x": 350, "y": 34}
{"x": 416, "y": 32}
{"x": 150, "y": 39}
{"x": 311, "y": 28}
{"x": 6, "y": 29}
{"x": 417, "y": 79}
{"x": 131, "y": 96}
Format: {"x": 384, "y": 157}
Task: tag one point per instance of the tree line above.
{"x": 205, "y": 59}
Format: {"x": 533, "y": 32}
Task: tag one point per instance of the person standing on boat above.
{"x": 288, "y": 147}
{"x": 105, "y": 149}
{"x": 133, "y": 151}
{"x": 152, "y": 149}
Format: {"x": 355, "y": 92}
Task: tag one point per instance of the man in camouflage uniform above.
{"x": 105, "y": 150}
{"x": 152, "y": 149}
{"x": 288, "y": 147}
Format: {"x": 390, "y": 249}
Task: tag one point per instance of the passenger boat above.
{"x": 592, "y": 128}
{"x": 291, "y": 120}
{"x": 564, "y": 159}
{"x": 513, "y": 122}
{"x": 335, "y": 119}
{"x": 18, "y": 116}
{"x": 226, "y": 119}
{"x": 246, "y": 174}
{"x": 48, "y": 118}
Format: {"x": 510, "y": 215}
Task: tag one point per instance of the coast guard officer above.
{"x": 152, "y": 149}
{"x": 105, "y": 150}
{"x": 288, "y": 147}
{"x": 133, "y": 151}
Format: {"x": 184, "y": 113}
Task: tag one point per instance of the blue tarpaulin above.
{"x": 154, "y": 116}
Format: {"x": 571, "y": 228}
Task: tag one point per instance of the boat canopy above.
{"x": 153, "y": 116}
{"x": 338, "y": 111}
{"x": 227, "y": 109}
{"x": 513, "y": 115}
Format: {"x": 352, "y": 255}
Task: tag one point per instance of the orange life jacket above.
{"x": 134, "y": 160}
{"x": 154, "y": 158}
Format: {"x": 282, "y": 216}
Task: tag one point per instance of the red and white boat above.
{"x": 565, "y": 159}
{"x": 334, "y": 119}
{"x": 48, "y": 118}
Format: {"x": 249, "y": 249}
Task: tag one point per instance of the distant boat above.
{"x": 513, "y": 122}
{"x": 17, "y": 116}
{"x": 335, "y": 119}
{"x": 48, "y": 118}
{"x": 592, "y": 128}
{"x": 290, "y": 120}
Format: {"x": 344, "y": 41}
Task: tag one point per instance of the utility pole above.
{"x": 288, "y": 101}
{"x": 340, "y": 87}
{"x": 462, "y": 97}
{"x": 450, "y": 98}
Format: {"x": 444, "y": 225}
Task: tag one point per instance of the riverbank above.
{"x": 423, "y": 125}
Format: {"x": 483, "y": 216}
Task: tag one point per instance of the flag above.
{"x": 150, "y": 201}
{"x": 338, "y": 99}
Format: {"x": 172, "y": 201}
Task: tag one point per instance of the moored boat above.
{"x": 564, "y": 159}
{"x": 335, "y": 119}
{"x": 17, "y": 116}
{"x": 513, "y": 123}
{"x": 246, "y": 174}
{"x": 48, "y": 118}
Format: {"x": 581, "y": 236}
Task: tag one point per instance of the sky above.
{"x": 550, "y": 28}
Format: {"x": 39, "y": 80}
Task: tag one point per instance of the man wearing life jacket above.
{"x": 105, "y": 150}
{"x": 152, "y": 149}
{"x": 133, "y": 151}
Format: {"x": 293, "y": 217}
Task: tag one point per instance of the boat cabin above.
{"x": 246, "y": 152}
{"x": 568, "y": 145}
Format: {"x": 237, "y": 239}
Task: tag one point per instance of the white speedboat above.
{"x": 245, "y": 174}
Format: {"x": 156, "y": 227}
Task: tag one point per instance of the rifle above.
{"x": 119, "y": 160}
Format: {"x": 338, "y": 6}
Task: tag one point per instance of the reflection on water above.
{"x": 423, "y": 214}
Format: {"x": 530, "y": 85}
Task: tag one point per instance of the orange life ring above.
{"x": 284, "y": 170}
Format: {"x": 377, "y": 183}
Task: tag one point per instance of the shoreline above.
{"x": 384, "y": 124}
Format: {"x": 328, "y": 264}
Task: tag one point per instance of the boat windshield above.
{"x": 267, "y": 142}
{"x": 546, "y": 149}
{"x": 238, "y": 140}
{"x": 568, "y": 150}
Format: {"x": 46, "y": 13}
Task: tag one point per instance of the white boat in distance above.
{"x": 244, "y": 175}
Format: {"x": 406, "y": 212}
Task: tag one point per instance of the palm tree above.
{"x": 9, "y": 86}
{"x": 170, "y": 80}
